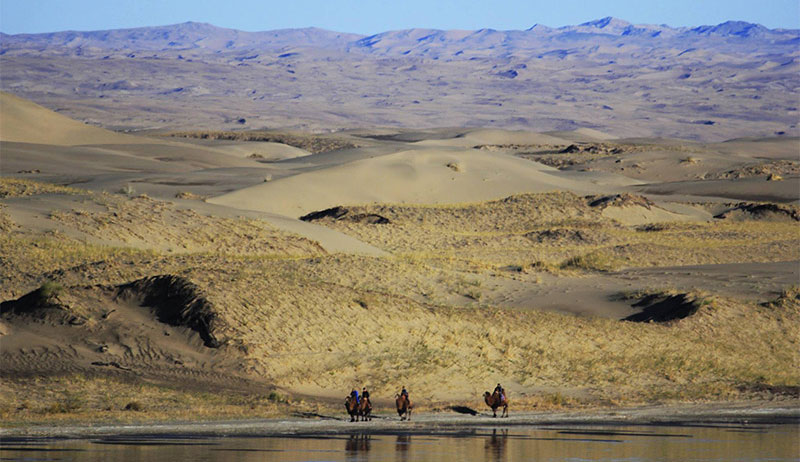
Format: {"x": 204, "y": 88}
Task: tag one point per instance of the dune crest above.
{"x": 418, "y": 176}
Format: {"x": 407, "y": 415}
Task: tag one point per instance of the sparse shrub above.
{"x": 788, "y": 297}
{"x": 593, "y": 261}
{"x": 134, "y": 406}
{"x": 50, "y": 289}
{"x": 128, "y": 190}
{"x": 556, "y": 399}
{"x": 70, "y": 402}
{"x": 276, "y": 397}
{"x": 473, "y": 294}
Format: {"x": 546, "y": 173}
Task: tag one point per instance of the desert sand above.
{"x": 143, "y": 272}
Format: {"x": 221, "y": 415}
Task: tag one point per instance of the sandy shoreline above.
{"x": 718, "y": 414}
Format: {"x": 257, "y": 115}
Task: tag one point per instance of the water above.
{"x": 518, "y": 443}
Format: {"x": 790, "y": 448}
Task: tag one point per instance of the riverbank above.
{"x": 716, "y": 414}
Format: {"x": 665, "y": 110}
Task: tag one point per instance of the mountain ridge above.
{"x": 205, "y": 36}
{"x": 705, "y": 83}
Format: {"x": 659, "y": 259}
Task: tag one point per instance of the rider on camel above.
{"x": 403, "y": 392}
{"x": 354, "y": 394}
{"x": 365, "y": 395}
{"x": 499, "y": 389}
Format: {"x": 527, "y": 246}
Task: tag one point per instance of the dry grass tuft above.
{"x": 19, "y": 187}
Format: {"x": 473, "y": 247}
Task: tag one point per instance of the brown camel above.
{"x": 404, "y": 406}
{"x": 351, "y": 405}
{"x": 494, "y": 401}
{"x": 365, "y": 409}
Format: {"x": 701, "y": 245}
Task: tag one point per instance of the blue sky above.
{"x": 367, "y": 17}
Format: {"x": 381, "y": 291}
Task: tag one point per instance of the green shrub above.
{"x": 50, "y": 289}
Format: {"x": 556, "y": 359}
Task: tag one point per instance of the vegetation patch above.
{"x": 761, "y": 211}
{"x": 43, "y": 303}
{"x": 20, "y": 187}
{"x": 775, "y": 169}
{"x": 311, "y": 143}
{"x": 790, "y": 297}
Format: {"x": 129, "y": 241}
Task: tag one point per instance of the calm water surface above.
{"x": 636, "y": 443}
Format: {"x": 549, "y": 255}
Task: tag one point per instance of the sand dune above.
{"x": 422, "y": 177}
{"x": 26, "y": 122}
{"x": 763, "y": 148}
{"x": 493, "y": 137}
{"x": 260, "y": 151}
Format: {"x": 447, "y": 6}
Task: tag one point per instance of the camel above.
{"x": 404, "y": 406}
{"x": 351, "y": 405}
{"x": 494, "y": 401}
{"x": 365, "y": 409}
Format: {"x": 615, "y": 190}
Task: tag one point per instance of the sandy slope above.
{"x": 24, "y": 121}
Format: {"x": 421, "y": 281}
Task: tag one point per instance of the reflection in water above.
{"x": 357, "y": 442}
{"x": 496, "y": 445}
{"x": 706, "y": 443}
{"x": 401, "y": 446}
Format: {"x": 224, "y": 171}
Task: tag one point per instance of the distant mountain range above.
{"x": 707, "y": 82}
{"x": 423, "y": 42}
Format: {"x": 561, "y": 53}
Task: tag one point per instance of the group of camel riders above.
{"x": 495, "y": 400}
{"x": 365, "y": 394}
